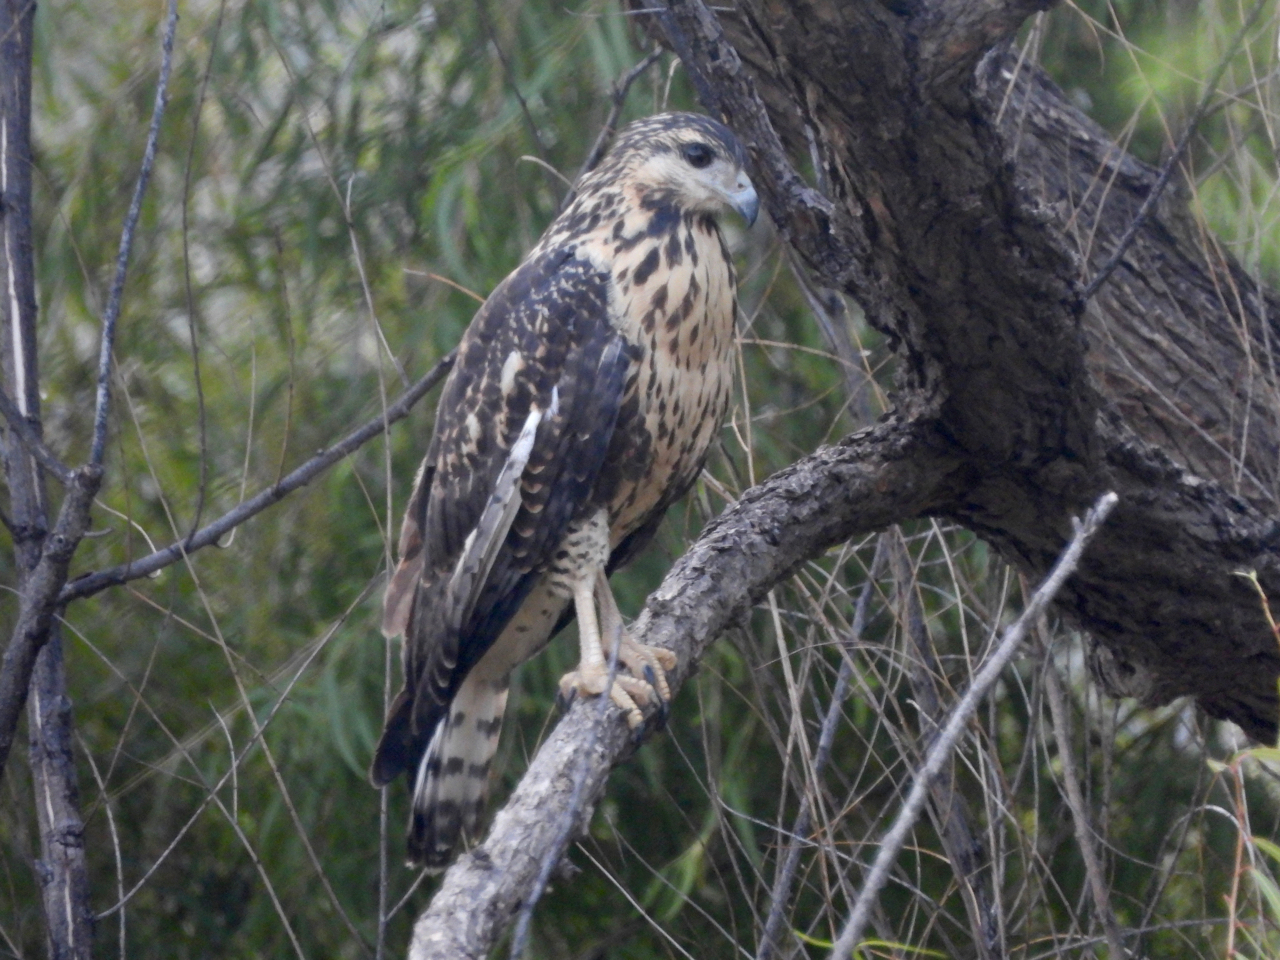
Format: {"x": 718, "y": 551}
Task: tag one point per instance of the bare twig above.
{"x": 95, "y": 582}
{"x": 27, "y": 435}
{"x": 780, "y": 895}
{"x": 1075, "y": 800}
{"x": 620, "y": 90}
{"x": 115, "y": 835}
{"x": 192, "y": 333}
{"x": 112, "y": 314}
{"x": 509, "y": 73}
{"x": 941, "y": 750}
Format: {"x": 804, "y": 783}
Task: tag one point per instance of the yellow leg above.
{"x": 630, "y": 690}
{"x": 643, "y": 662}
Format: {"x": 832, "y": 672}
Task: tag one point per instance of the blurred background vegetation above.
{"x": 336, "y": 183}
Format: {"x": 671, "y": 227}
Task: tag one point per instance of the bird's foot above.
{"x": 643, "y": 684}
{"x": 651, "y": 663}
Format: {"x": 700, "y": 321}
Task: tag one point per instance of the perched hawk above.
{"x": 586, "y": 393}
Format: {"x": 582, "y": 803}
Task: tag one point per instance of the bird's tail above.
{"x": 453, "y": 776}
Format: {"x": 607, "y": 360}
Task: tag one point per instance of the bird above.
{"x": 583, "y": 401}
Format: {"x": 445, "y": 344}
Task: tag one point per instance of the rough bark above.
{"x": 968, "y": 205}
{"x": 979, "y": 208}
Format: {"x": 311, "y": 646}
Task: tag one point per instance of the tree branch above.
{"x": 621, "y": 88}
{"x": 30, "y": 439}
{"x": 986, "y": 199}
{"x": 112, "y": 314}
{"x": 39, "y": 600}
{"x": 33, "y": 657}
{"x": 891, "y": 471}
{"x": 92, "y": 583}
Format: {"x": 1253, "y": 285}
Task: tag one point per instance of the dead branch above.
{"x": 27, "y": 436}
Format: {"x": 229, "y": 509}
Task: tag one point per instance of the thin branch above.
{"x": 92, "y": 583}
{"x": 39, "y": 600}
{"x": 941, "y": 750}
{"x": 115, "y": 835}
{"x": 192, "y": 332}
{"x": 509, "y": 73}
{"x": 183, "y": 748}
{"x": 27, "y": 436}
{"x": 620, "y": 90}
{"x": 539, "y": 162}
{"x": 112, "y": 314}
{"x": 780, "y": 895}
{"x": 952, "y": 821}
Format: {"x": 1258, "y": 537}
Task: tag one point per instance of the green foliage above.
{"x": 1141, "y": 69}
{"x": 329, "y": 177}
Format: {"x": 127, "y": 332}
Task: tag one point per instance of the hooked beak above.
{"x": 745, "y": 201}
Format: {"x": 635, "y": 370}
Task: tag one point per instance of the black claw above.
{"x": 662, "y": 709}
{"x": 662, "y": 715}
{"x": 563, "y": 703}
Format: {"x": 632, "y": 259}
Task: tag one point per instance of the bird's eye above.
{"x": 699, "y": 155}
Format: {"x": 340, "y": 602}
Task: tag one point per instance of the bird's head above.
{"x": 695, "y": 161}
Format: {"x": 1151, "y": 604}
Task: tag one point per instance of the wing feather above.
{"x": 488, "y": 513}
{"x": 404, "y": 579}
{"x": 485, "y": 541}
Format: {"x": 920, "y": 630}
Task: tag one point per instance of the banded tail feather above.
{"x": 452, "y": 781}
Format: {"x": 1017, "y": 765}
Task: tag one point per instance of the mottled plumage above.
{"x": 585, "y": 396}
